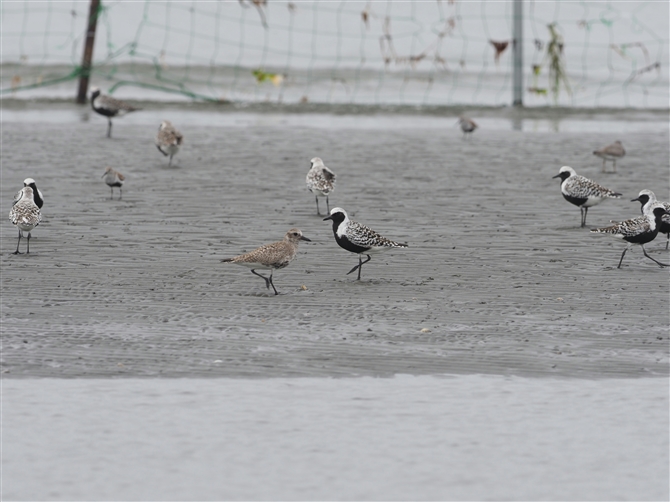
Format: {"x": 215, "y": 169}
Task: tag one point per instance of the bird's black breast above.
{"x": 642, "y": 238}
{"x": 577, "y": 201}
{"x": 345, "y": 243}
{"x": 107, "y": 112}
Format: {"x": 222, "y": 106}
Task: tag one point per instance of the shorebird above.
{"x": 638, "y": 230}
{"x": 467, "y": 125}
{"x": 25, "y": 215}
{"x": 271, "y": 256}
{"x": 320, "y": 181}
{"x": 109, "y": 107}
{"x": 168, "y": 140}
{"x": 358, "y": 238}
{"x": 646, "y": 199}
{"x": 37, "y": 195}
{"x": 114, "y": 179}
{"x": 581, "y": 191}
{"x": 610, "y": 152}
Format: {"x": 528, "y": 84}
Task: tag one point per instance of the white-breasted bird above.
{"x": 320, "y": 181}
{"x": 25, "y": 215}
{"x": 168, "y": 140}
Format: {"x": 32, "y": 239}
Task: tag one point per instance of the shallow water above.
{"x": 404, "y": 438}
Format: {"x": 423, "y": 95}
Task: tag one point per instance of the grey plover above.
{"x": 38, "y": 198}
{"x": 114, "y": 179}
{"x": 646, "y": 199}
{"x": 610, "y": 152}
{"x": 25, "y": 215}
{"x": 109, "y": 107}
{"x": 467, "y": 125}
{"x": 271, "y": 256}
{"x": 638, "y": 231}
{"x": 320, "y": 181}
{"x": 358, "y": 238}
{"x": 581, "y": 191}
{"x": 168, "y": 140}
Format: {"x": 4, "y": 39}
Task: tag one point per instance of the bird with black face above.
{"x": 109, "y": 107}
{"x": 358, "y": 238}
{"x": 647, "y": 198}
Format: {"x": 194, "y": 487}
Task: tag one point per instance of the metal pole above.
{"x": 88, "y": 52}
{"x": 517, "y": 47}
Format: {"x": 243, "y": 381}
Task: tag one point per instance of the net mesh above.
{"x": 389, "y": 52}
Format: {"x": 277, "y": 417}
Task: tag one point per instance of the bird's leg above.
{"x": 28, "y": 244}
{"x": 614, "y": 164}
{"x": 267, "y": 281}
{"x": 584, "y": 210}
{"x": 120, "y": 193}
{"x": 109, "y": 128}
{"x": 272, "y": 283}
{"x": 111, "y": 195}
{"x": 170, "y": 161}
{"x": 316, "y": 198}
{"x": 643, "y": 250}
{"x": 667, "y": 242}
{"x": 622, "y": 255}
{"x": 17, "y": 244}
{"x": 327, "y": 204}
{"x": 604, "y": 167}
{"x": 360, "y": 264}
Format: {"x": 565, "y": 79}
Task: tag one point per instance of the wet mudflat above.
{"x": 498, "y": 278}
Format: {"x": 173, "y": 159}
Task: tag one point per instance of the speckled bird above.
{"x": 358, "y": 238}
{"x": 638, "y": 231}
{"x": 467, "y": 125}
{"x": 610, "y": 152}
{"x": 109, "y": 107}
{"x": 25, "y": 215}
{"x": 582, "y": 192}
{"x": 271, "y": 256}
{"x": 647, "y": 199}
{"x": 38, "y": 198}
{"x": 320, "y": 181}
{"x": 114, "y": 179}
{"x": 168, "y": 140}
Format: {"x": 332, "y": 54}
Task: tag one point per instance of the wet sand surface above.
{"x": 498, "y": 278}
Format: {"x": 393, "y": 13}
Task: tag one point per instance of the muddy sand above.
{"x": 498, "y": 278}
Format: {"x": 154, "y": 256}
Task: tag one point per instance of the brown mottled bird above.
{"x": 611, "y": 152}
{"x": 168, "y": 140}
{"x": 271, "y": 256}
{"x": 467, "y": 125}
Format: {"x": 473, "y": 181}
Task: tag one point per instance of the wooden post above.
{"x": 88, "y": 52}
{"x": 517, "y": 47}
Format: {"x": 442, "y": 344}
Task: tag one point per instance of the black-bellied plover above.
{"x": 109, "y": 107}
{"x": 467, "y": 125}
{"x": 37, "y": 195}
{"x": 582, "y": 192}
{"x": 271, "y": 256}
{"x": 646, "y": 199}
{"x": 320, "y": 181}
{"x": 25, "y": 215}
{"x": 610, "y": 152}
{"x": 113, "y": 179}
{"x": 358, "y": 238}
{"x": 168, "y": 140}
{"x": 638, "y": 230}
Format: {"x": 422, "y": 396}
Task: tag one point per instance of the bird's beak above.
{"x": 303, "y": 238}
{"x": 328, "y": 218}
{"x": 555, "y": 176}
{"x": 633, "y": 200}
{"x": 103, "y": 175}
